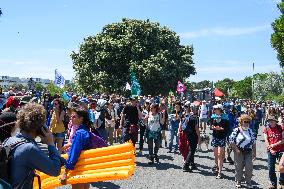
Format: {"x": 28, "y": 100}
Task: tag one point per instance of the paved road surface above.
{"x": 168, "y": 174}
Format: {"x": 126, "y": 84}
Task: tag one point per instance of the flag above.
{"x": 135, "y": 86}
{"x": 127, "y": 87}
{"x": 180, "y": 87}
{"x": 59, "y": 79}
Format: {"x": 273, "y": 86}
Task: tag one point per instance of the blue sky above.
{"x": 36, "y": 37}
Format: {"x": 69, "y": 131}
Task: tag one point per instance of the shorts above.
{"x": 59, "y": 135}
{"x": 203, "y": 120}
{"x": 216, "y": 142}
{"x": 164, "y": 127}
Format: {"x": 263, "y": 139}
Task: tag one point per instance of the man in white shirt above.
{"x": 203, "y": 116}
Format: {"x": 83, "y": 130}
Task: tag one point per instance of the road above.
{"x": 168, "y": 174}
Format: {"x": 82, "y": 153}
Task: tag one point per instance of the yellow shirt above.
{"x": 56, "y": 127}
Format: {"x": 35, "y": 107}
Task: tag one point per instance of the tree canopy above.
{"x": 152, "y": 52}
{"x": 277, "y": 38}
{"x": 225, "y": 85}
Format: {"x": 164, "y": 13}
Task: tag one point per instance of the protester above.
{"x": 143, "y": 123}
{"x": 189, "y": 125}
{"x": 110, "y": 118}
{"x": 81, "y": 141}
{"x": 153, "y": 133}
{"x": 203, "y": 116}
{"x": 174, "y": 125}
{"x": 7, "y": 125}
{"x": 274, "y": 140}
{"x": 244, "y": 144}
{"x": 164, "y": 121}
{"x": 129, "y": 121}
{"x": 57, "y": 123}
{"x": 220, "y": 127}
{"x": 27, "y": 157}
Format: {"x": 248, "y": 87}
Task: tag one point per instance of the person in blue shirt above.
{"x": 27, "y": 157}
{"x": 80, "y": 141}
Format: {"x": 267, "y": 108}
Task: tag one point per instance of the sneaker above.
{"x": 170, "y": 151}
{"x": 215, "y": 169}
{"x": 193, "y": 166}
{"x": 249, "y": 186}
{"x": 151, "y": 162}
{"x": 186, "y": 169}
{"x": 225, "y": 160}
{"x": 166, "y": 144}
{"x": 230, "y": 160}
{"x": 219, "y": 176}
{"x": 238, "y": 184}
{"x": 157, "y": 159}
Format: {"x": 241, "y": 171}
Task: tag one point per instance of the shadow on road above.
{"x": 105, "y": 185}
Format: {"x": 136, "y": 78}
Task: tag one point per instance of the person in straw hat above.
{"x": 274, "y": 140}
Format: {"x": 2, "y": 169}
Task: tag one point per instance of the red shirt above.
{"x": 274, "y": 135}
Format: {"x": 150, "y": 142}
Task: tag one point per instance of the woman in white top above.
{"x": 244, "y": 145}
{"x": 153, "y": 133}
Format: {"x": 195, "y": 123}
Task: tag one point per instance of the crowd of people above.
{"x": 67, "y": 126}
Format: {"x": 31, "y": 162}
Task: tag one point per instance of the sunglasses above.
{"x": 55, "y": 104}
{"x": 246, "y": 121}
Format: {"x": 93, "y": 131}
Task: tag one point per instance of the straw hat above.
{"x": 272, "y": 118}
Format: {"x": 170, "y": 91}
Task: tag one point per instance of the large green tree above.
{"x": 225, "y": 85}
{"x": 152, "y": 52}
{"x": 242, "y": 88}
{"x": 268, "y": 84}
{"x": 277, "y": 38}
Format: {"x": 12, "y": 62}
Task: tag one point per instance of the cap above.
{"x": 218, "y": 106}
{"x": 84, "y": 100}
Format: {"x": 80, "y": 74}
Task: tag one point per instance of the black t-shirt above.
{"x": 221, "y": 134}
{"x": 131, "y": 114}
{"x": 191, "y": 123}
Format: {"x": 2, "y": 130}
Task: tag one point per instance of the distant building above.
{"x": 7, "y": 81}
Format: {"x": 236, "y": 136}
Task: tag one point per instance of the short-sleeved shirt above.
{"x": 274, "y": 135}
{"x": 131, "y": 114}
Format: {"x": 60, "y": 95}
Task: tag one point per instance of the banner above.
{"x": 59, "y": 80}
{"x": 180, "y": 87}
{"x": 135, "y": 86}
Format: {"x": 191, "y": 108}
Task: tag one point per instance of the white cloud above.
{"x": 224, "y": 31}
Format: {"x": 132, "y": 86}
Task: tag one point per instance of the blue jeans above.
{"x": 173, "y": 133}
{"x": 271, "y": 167}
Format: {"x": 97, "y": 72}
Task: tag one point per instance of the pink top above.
{"x": 71, "y": 132}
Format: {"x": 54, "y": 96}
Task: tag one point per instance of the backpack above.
{"x": 5, "y": 156}
{"x": 97, "y": 141}
{"x": 185, "y": 123}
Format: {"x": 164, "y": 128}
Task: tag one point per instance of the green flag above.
{"x": 135, "y": 87}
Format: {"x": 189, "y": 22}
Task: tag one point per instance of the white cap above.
{"x": 187, "y": 103}
{"x": 218, "y": 106}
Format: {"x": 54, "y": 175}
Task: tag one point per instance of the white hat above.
{"x": 218, "y": 106}
{"x": 187, "y": 103}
